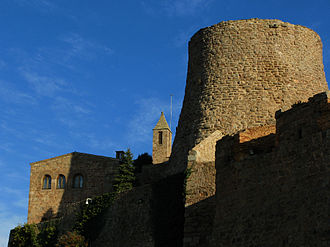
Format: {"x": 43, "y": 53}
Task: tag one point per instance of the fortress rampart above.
{"x": 240, "y": 73}
{"x": 273, "y": 190}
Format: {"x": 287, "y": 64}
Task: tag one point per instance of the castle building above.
{"x": 250, "y": 159}
{"x": 58, "y": 182}
{"x": 161, "y": 141}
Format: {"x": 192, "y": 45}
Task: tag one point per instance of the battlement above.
{"x": 272, "y": 184}
{"x": 299, "y": 123}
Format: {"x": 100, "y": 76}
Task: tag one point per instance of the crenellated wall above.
{"x": 274, "y": 190}
{"x": 239, "y": 74}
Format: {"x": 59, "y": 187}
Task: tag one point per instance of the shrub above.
{"x": 26, "y": 235}
{"x": 71, "y": 239}
{"x": 47, "y": 237}
{"x": 90, "y": 220}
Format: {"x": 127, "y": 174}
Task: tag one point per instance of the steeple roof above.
{"x": 162, "y": 124}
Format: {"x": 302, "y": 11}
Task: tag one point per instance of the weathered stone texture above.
{"x": 199, "y": 219}
{"x": 240, "y": 73}
{"x": 278, "y": 196}
{"x": 149, "y": 215}
{"x": 98, "y": 173}
{"x": 161, "y": 146}
{"x": 129, "y": 221}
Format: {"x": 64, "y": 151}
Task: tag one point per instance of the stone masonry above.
{"x": 161, "y": 142}
{"x": 265, "y": 183}
{"x": 274, "y": 190}
{"x": 98, "y": 175}
{"x": 239, "y": 74}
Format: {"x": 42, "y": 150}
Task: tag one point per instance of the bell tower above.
{"x": 162, "y": 141}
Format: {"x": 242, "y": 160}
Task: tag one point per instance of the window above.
{"x": 61, "y": 182}
{"x": 78, "y": 181}
{"x": 47, "y": 182}
{"x": 160, "y": 137}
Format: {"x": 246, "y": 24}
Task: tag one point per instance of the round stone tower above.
{"x": 240, "y": 73}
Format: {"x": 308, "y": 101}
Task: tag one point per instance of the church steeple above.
{"x": 162, "y": 141}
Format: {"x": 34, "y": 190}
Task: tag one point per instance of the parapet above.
{"x": 302, "y": 123}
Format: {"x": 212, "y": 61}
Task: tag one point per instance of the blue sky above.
{"x": 93, "y": 76}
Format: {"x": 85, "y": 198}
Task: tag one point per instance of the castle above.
{"x": 250, "y": 158}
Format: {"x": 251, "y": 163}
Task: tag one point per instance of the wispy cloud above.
{"x": 70, "y": 112}
{"x": 80, "y": 45}
{"x": 91, "y": 140}
{"x": 45, "y": 85}
{"x": 146, "y": 116}
{"x": 9, "y": 94}
{"x": 7, "y": 147}
{"x": 40, "y": 5}
{"x": 176, "y": 7}
{"x": 65, "y": 101}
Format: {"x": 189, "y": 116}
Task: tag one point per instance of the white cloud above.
{"x": 7, "y": 147}
{"x": 97, "y": 143}
{"x": 40, "y": 5}
{"x": 146, "y": 117}
{"x": 67, "y": 106}
{"x": 11, "y": 95}
{"x": 45, "y": 85}
{"x": 84, "y": 48}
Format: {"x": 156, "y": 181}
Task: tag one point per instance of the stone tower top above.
{"x": 162, "y": 123}
{"x": 240, "y": 73}
{"x": 162, "y": 141}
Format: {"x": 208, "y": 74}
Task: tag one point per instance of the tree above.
{"x": 142, "y": 159}
{"x": 125, "y": 178}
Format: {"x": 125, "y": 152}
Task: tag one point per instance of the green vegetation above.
{"x": 125, "y": 179}
{"x": 187, "y": 173}
{"x": 89, "y": 221}
{"x": 26, "y": 235}
{"x": 71, "y": 239}
{"x": 31, "y": 235}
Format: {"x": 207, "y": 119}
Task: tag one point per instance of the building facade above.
{"x": 58, "y": 182}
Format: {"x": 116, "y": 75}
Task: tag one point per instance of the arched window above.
{"x": 78, "y": 181}
{"x": 61, "y": 182}
{"x": 47, "y": 182}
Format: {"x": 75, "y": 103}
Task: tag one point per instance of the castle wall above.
{"x": 128, "y": 222}
{"x": 200, "y": 187}
{"x": 274, "y": 190}
{"x": 98, "y": 173}
{"x": 239, "y": 74}
{"x": 148, "y": 215}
